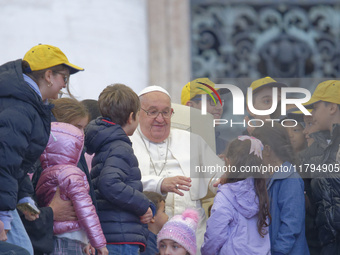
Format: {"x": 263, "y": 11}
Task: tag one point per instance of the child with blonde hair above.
{"x": 59, "y": 161}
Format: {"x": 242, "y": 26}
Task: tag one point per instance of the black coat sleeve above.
{"x": 25, "y": 187}
{"x": 40, "y": 231}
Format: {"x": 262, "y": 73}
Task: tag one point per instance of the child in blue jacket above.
{"x": 286, "y": 192}
{"x": 123, "y": 209}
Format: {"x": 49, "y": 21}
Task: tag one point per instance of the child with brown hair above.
{"x": 157, "y": 221}
{"x": 286, "y": 191}
{"x": 123, "y": 209}
{"x": 240, "y": 214}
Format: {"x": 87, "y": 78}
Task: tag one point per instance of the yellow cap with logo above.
{"x": 190, "y": 90}
{"x": 44, "y": 56}
{"x": 327, "y": 91}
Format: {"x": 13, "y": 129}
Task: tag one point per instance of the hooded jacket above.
{"x": 232, "y": 226}
{"x": 59, "y": 161}
{"x": 117, "y": 183}
{"x": 24, "y": 130}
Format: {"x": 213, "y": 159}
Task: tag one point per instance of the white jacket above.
{"x": 190, "y": 150}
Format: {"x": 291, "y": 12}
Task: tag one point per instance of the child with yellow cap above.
{"x": 262, "y": 99}
{"x": 191, "y": 96}
{"x": 325, "y": 102}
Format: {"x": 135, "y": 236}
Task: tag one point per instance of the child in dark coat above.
{"x": 123, "y": 209}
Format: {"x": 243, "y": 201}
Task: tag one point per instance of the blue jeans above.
{"x": 18, "y": 235}
{"x": 126, "y": 249}
{"x": 11, "y": 249}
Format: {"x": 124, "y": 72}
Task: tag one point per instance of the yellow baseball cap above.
{"x": 327, "y": 91}
{"x": 266, "y": 81}
{"x": 190, "y": 90}
{"x": 44, "y": 56}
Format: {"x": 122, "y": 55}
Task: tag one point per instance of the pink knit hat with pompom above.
{"x": 181, "y": 229}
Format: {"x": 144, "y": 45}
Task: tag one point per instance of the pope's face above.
{"x": 156, "y": 129}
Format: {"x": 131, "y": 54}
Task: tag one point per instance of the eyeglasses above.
{"x": 66, "y": 77}
{"x": 154, "y": 113}
{"x": 211, "y": 101}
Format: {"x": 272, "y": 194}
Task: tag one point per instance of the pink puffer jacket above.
{"x": 59, "y": 161}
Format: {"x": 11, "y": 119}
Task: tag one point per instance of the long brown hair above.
{"x": 238, "y": 156}
{"x": 276, "y": 136}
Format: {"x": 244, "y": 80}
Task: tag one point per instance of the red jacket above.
{"x": 59, "y": 161}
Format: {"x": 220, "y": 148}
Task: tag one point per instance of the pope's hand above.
{"x": 175, "y": 184}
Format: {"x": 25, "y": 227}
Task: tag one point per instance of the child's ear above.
{"x": 130, "y": 119}
{"x": 333, "y": 108}
{"x": 152, "y": 220}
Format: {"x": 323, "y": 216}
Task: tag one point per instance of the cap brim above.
{"x": 73, "y": 68}
{"x": 298, "y": 112}
{"x": 295, "y": 113}
{"x": 310, "y": 103}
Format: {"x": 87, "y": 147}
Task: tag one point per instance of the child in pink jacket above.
{"x": 59, "y": 161}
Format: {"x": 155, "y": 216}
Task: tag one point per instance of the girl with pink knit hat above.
{"x": 178, "y": 235}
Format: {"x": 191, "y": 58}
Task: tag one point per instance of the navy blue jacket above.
{"x": 117, "y": 183}
{"x": 24, "y": 131}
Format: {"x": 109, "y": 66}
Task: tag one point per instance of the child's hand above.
{"x": 103, "y": 251}
{"x": 3, "y": 235}
{"x": 146, "y": 218}
{"x": 217, "y": 183}
{"x": 89, "y": 249}
{"x": 222, "y": 156}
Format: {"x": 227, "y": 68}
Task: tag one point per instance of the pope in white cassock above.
{"x": 168, "y": 157}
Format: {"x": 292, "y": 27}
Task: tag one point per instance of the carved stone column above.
{"x": 169, "y": 45}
